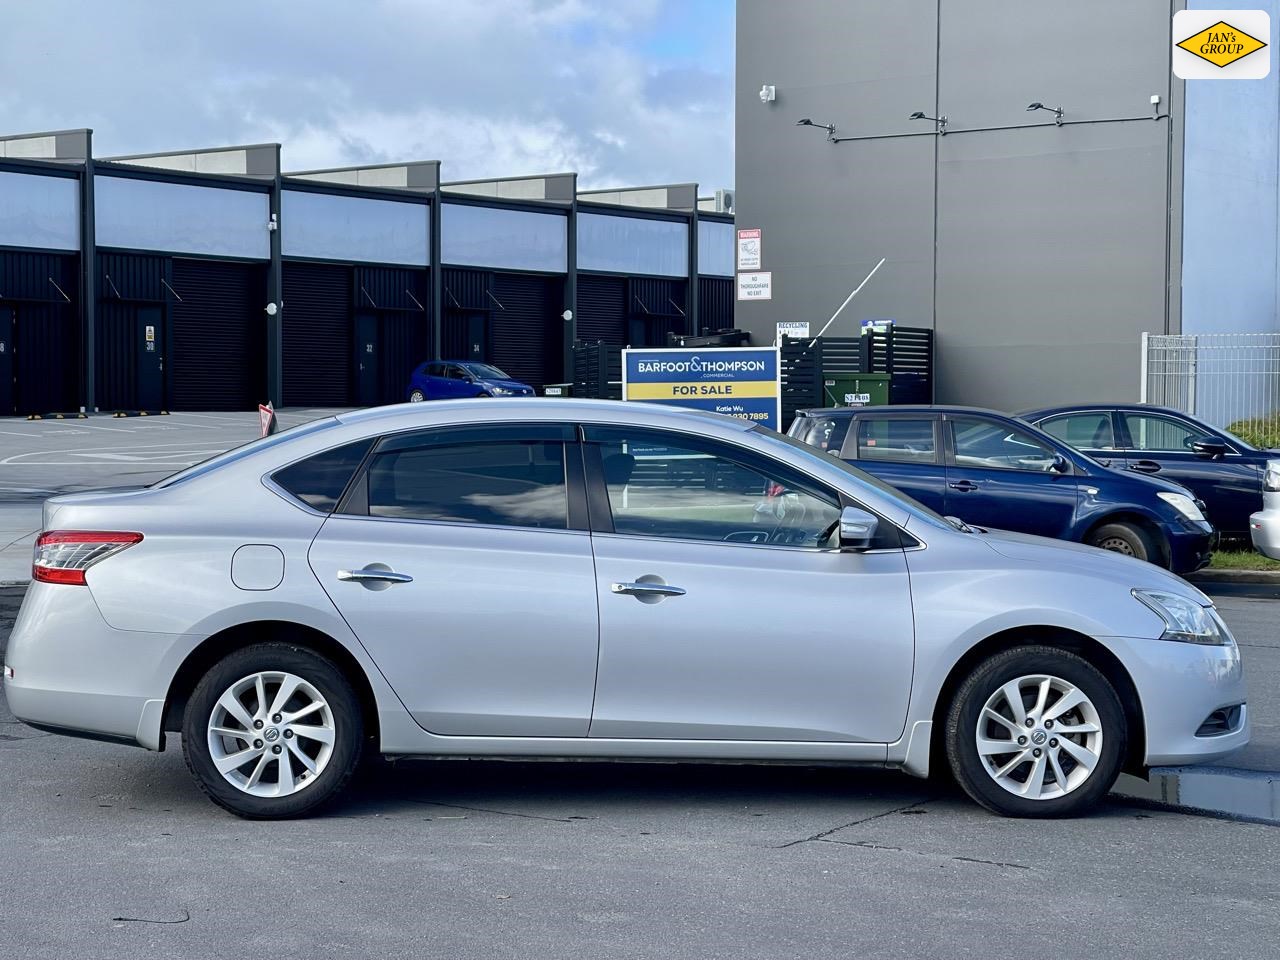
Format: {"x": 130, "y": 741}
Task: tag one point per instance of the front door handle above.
{"x": 642, "y": 588}
{"x": 964, "y": 486}
{"x": 1146, "y": 466}
{"x": 374, "y": 575}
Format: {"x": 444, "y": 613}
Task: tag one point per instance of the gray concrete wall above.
{"x": 1038, "y": 254}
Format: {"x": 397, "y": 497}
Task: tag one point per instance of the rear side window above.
{"x": 319, "y": 481}
{"x": 902, "y": 439}
{"x": 1087, "y": 431}
{"x": 825, "y": 433}
{"x": 512, "y": 483}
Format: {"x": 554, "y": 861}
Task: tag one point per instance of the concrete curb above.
{"x": 1235, "y": 576}
{"x": 1216, "y": 791}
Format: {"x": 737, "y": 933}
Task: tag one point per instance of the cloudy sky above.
{"x": 623, "y": 91}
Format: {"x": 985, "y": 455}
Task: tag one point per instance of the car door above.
{"x": 461, "y": 559}
{"x": 724, "y": 614}
{"x": 901, "y": 449}
{"x": 434, "y": 384}
{"x": 1000, "y": 475}
{"x": 1160, "y": 445}
{"x": 1092, "y": 432}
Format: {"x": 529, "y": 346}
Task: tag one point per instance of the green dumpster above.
{"x": 856, "y": 389}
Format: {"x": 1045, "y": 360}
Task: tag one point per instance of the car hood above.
{"x": 505, "y": 384}
{"x": 1062, "y": 554}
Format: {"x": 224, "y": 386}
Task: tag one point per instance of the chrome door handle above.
{"x": 647, "y": 589}
{"x": 964, "y": 486}
{"x": 374, "y": 575}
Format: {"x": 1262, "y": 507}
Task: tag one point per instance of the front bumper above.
{"x": 75, "y": 674}
{"x": 1264, "y": 529}
{"x": 1180, "y": 686}
{"x": 1191, "y": 545}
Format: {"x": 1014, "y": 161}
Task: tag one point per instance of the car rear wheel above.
{"x": 1126, "y": 539}
{"x": 272, "y": 731}
{"x": 417, "y": 396}
{"x": 1036, "y": 732}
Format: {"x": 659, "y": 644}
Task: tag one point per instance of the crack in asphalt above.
{"x": 501, "y": 813}
{"x": 845, "y": 826}
{"x": 865, "y": 844}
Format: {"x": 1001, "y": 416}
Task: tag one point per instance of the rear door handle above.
{"x": 1145, "y": 466}
{"x": 643, "y": 589}
{"x": 964, "y": 486}
{"x": 374, "y": 575}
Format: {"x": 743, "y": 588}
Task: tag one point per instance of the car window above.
{"x": 318, "y": 481}
{"x": 665, "y": 486}
{"x": 249, "y": 449}
{"x": 1163, "y": 434}
{"x": 454, "y": 372}
{"x": 486, "y": 371}
{"x": 993, "y": 445}
{"x": 1090, "y": 431}
{"x": 825, "y": 433}
{"x": 435, "y": 369}
{"x": 505, "y": 482}
{"x": 903, "y": 439}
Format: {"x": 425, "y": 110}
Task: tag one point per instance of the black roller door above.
{"x": 602, "y": 309}
{"x": 219, "y": 336}
{"x": 317, "y": 335}
{"x": 715, "y": 304}
{"x": 523, "y": 328}
{"x": 40, "y": 333}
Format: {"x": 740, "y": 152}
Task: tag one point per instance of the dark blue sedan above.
{"x": 1218, "y": 467}
{"x": 451, "y": 379}
{"x": 993, "y": 470}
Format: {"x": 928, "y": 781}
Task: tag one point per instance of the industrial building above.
{"x": 212, "y": 280}
{"x": 1043, "y": 188}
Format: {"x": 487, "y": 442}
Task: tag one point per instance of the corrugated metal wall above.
{"x": 602, "y": 312}
{"x": 45, "y": 346}
{"x": 715, "y": 303}
{"x": 125, "y": 282}
{"x": 660, "y": 303}
{"x": 218, "y": 344}
{"x": 318, "y": 339}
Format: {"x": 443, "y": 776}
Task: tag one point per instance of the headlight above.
{"x": 501, "y": 391}
{"x": 1184, "y": 619}
{"x": 1271, "y": 479}
{"x": 1183, "y": 504}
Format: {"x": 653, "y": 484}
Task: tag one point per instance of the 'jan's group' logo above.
{"x": 1221, "y": 44}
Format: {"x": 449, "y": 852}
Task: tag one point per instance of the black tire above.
{"x": 347, "y": 721}
{"x": 961, "y": 731}
{"x": 1126, "y": 539}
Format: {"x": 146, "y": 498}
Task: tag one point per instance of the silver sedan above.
{"x": 1264, "y": 526}
{"x": 589, "y": 579}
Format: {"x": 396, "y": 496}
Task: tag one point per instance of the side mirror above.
{"x": 1209, "y": 449}
{"x": 1061, "y": 464}
{"x": 857, "y": 528}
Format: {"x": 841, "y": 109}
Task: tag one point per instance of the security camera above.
{"x": 272, "y": 309}
{"x": 767, "y": 93}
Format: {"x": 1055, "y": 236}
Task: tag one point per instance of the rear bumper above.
{"x": 74, "y": 674}
{"x": 1264, "y": 530}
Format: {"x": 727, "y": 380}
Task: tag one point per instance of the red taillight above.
{"x": 63, "y": 556}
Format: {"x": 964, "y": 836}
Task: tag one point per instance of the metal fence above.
{"x": 1218, "y": 377}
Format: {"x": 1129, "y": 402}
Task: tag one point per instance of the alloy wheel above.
{"x": 1039, "y": 737}
{"x": 271, "y": 734}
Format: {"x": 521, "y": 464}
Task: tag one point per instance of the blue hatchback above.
{"x": 451, "y": 379}
{"x": 1218, "y": 467}
{"x": 992, "y": 470}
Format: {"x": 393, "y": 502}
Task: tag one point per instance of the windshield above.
{"x": 246, "y": 450}
{"x": 484, "y": 371}
{"x": 830, "y": 459}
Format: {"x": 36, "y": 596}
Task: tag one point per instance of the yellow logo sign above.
{"x": 1221, "y": 44}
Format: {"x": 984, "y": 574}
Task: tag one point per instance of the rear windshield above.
{"x": 247, "y": 450}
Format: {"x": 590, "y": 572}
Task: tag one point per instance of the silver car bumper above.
{"x": 1264, "y": 528}
{"x": 66, "y": 669}
{"x": 1193, "y": 698}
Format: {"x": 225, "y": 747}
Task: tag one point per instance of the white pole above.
{"x": 1142, "y": 382}
{"x": 846, "y": 301}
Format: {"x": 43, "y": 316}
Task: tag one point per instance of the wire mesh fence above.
{"x": 1220, "y": 378}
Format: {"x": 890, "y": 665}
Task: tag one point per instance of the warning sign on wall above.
{"x": 749, "y": 257}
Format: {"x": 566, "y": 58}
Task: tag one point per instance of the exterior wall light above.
{"x": 829, "y": 127}
{"x": 1056, "y": 111}
{"x": 940, "y": 121}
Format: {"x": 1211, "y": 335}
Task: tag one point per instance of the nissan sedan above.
{"x": 567, "y": 578}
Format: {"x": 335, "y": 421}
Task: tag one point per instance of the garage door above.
{"x": 317, "y": 335}
{"x": 219, "y": 336}
{"x": 525, "y": 328}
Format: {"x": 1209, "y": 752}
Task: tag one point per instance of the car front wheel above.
{"x": 272, "y": 731}
{"x": 1126, "y": 539}
{"x": 417, "y": 396}
{"x": 1036, "y": 732}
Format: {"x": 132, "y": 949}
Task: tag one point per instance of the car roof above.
{"x": 1038, "y": 413}
{"x": 500, "y": 409}
{"x": 899, "y": 408}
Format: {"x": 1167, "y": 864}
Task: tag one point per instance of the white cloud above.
{"x": 490, "y": 87}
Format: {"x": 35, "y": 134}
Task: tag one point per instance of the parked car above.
{"x": 598, "y": 579}
{"x": 456, "y": 379}
{"x": 1264, "y": 526}
{"x": 993, "y": 470}
{"x": 1218, "y": 467}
